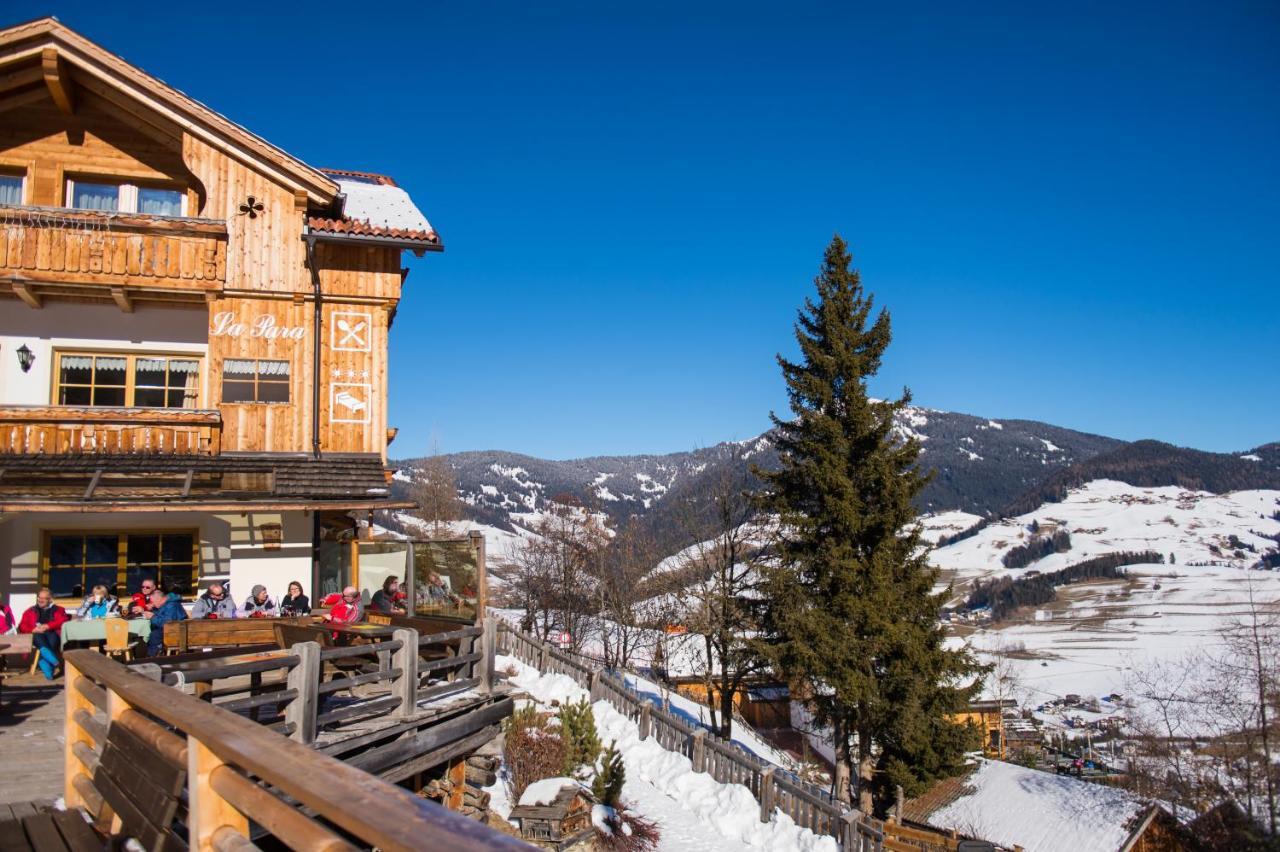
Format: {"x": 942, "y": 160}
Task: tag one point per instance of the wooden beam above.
{"x": 148, "y": 122}
{"x": 25, "y": 293}
{"x": 58, "y": 79}
{"x": 21, "y": 78}
{"x": 93, "y": 484}
{"x": 22, "y": 98}
{"x": 122, "y": 300}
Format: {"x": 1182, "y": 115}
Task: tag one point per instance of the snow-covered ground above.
{"x": 693, "y": 811}
{"x": 1093, "y": 639}
{"x": 1106, "y": 516}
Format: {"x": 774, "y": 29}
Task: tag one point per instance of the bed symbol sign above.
{"x": 350, "y": 402}
{"x": 350, "y": 331}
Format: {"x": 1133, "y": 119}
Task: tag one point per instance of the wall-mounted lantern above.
{"x": 25, "y": 358}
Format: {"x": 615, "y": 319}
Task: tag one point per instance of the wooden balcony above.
{"x": 56, "y": 251}
{"x": 62, "y": 430}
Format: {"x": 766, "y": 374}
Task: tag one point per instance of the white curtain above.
{"x": 159, "y": 202}
{"x": 273, "y": 368}
{"x": 10, "y": 190}
{"x": 96, "y": 196}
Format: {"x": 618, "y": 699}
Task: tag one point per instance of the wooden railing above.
{"x": 238, "y": 773}
{"x": 61, "y": 430}
{"x": 284, "y": 690}
{"x": 773, "y": 787}
{"x": 88, "y": 247}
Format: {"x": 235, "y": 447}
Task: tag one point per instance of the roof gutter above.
{"x": 318, "y": 326}
{"x": 415, "y": 246}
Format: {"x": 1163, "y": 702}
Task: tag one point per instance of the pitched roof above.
{"x": 26, "y": 43}
{"x": 1011, "y": 805}
{"x": 31, "y": 482}
{"x": 376, "y": 208}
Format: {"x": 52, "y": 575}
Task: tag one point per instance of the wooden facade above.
{"x": 238, "y": 251}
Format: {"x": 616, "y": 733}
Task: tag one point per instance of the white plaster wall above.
{"x": 74, "y": 325}
{"x": 251, "y": 563}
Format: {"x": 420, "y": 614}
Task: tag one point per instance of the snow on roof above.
{"x": 383, "y": 205}
{"x": 375, "y": 207}
{"x": 544, "y": 792}
{"x": 1012, "y": 805}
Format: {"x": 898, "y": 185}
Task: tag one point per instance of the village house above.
{"x": 1016, "y": 807}
{"x": 193, "y": 339}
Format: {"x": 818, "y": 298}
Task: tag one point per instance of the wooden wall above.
{"x": 265, "y": 273}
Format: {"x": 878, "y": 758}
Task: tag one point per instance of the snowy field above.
{"x": 693, "y": 811}
{"x": 1095, "y": 636}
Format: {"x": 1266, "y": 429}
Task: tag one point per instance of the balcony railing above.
{"x": 57, "y": 245}
{"x": 62, "y": 430}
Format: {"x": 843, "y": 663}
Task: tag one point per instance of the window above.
{"x": 250, "y": 380}
{"x": 114, "y": 196}
{"x": 149, "y": 381}
{"x": 11, "y": 193}
{"x": 77, "y": 561}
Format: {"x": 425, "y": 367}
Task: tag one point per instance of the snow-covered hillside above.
{"x": 1106, "y": 516}
{"x": 1094, "y": 638}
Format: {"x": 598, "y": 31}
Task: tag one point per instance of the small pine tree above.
{"x": 578, "y": 730}
{"x": 607, "y": 785}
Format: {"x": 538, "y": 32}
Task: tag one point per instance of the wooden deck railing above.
{"x": 296, "y": 702}
{"x": 61, "y": 430}
{"x": 238, "y": 772}
{"x": 89, "y": 247}
{"x": 774, "y": 788}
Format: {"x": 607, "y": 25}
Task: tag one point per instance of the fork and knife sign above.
{"x": 351, "y": 333}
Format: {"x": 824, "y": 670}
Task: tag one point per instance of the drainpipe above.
{"x": 318, "y": 327}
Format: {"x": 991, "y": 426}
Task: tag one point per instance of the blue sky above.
{"x": 1072, "y": 211}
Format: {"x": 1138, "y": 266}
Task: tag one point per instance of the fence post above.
{"x": 305, "y": 678}
{"x": 545, "y": 662}
{"x": 206, "y": 810}
{"x": 488, "y": 648}
{"x": 406, "y": 660}
{"x": 766, "y": 794}
{"x": 72, "y": 734}
{"x": 699, "y": 756}
{"x": 849, "y": 841}
{"x": 646, "y": 721}
{"x": 593, "y": 686}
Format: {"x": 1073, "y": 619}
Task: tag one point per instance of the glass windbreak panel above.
{"x": 10, "y": 190}
{"x": 445, "y": 579}
{"x": 378, "y": 561}
{"x": 95, "y": 196}
{"x": 159, "y": 202}
{"x": 335, "y": 569}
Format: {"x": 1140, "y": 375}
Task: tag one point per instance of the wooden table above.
{"x": 371, "y": 632}
{"x": 95, "y": 629}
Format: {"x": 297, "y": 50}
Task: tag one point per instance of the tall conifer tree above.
{"x": 850, "y": 614}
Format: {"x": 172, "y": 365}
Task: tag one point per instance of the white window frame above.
{"x": 128, "y": 193}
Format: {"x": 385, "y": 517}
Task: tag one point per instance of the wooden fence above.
{"x": 773, "y": 787}
{"x": 235, "y": 774}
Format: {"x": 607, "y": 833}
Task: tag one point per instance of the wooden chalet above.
{"x": 193, "y": 337}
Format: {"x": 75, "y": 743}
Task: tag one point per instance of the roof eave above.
{"x": 415, "y": 246}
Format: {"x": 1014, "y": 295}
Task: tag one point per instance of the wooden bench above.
{"x": 137, "y": 793}
{"x": 182, "y": 636}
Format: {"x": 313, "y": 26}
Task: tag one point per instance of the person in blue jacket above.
{"x": 165, "y": 608}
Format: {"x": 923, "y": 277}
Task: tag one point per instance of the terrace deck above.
{"x": 31, "y": 739}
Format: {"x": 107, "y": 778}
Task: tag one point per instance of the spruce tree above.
{"x": 850, "y": 617}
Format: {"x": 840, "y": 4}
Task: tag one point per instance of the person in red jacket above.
{"x": 44, "y": 622}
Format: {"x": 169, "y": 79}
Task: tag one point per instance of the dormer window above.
{"x": 123, "y": 197}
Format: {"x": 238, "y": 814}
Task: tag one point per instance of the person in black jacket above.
{"x": 295, "y": 603}
{"x": 384, "y": 600}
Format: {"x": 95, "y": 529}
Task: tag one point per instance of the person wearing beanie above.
{"x": 259, "y": 604}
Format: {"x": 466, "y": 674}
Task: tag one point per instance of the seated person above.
{"x": 384, "y": 600}
{"x": 164, "y": 608}
{"x": 44, "y": 622}
{"x": 348, "y": 609}
{"x": 140, "y": 601}
{"x": 295, "y": 603}
{"x": 214, "y": 603}
{"x": 8, "y": 624}
{"x": 259, "y": 604}
{"x": 436, "y": 593}
{"x": 99, "y": 604}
